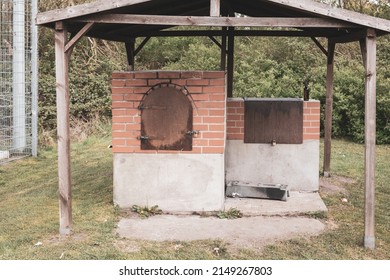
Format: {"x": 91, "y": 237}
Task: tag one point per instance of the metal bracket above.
{"x": 193, "y": 132}
{"x": 143, "y": 138}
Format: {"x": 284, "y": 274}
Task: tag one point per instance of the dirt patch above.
{"x": 335, "y": 184}
{"x": 128, "y": 245}
{"x": 58, "y": 239}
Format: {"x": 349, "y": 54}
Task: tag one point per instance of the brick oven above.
{"x": 177, "y": 140}
{"x": 169, "y": 131}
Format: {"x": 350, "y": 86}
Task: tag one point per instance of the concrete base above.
{"x": 4, "y": 155}
{"x": 297, "y": 204}
{"x": 294, "y": 165}
{"x": 174, "y": 182}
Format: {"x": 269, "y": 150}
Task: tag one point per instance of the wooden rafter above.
{"x": 237, "y": 33}
{"x": 216, "y": 21}
{"x": 319, "y": 45}
{"x": 72, "y": 42}
{"x": 335, "y": 13}
{"x": 84, "y": 9}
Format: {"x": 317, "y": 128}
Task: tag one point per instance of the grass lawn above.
{"x": 29, "y": 213}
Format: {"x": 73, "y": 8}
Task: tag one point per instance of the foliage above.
{"x": 146, "y": 212}
{"x": 232, "y": 213}
{"x": 264, "y": 67}
{"x": 89, "y": 76}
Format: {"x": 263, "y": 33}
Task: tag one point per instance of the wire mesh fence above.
{"x": 18, "y": 79}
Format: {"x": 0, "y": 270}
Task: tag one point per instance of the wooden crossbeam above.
{"x": 216, "y": 33}
{"x": 217, "y": 21}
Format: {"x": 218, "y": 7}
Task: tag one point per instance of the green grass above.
{"x": 29, "y": 213}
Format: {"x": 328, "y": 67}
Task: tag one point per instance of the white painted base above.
{"x": 294, "y": 165}
{"x": 4, "y": 155}
{"x": 174, "y": 182}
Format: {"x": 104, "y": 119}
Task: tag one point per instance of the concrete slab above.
{"x": 265, "y": 221}
{"x": 247, "y": 232}
{"x": 297, "y": 203}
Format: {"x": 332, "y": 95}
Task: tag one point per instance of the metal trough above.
{"x": 252, "y": 190}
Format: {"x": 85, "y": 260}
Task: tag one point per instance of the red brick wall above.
{"x": 311, "y": 120}
{"x": 207, "y": 90}
{"x": 235, "y": 119}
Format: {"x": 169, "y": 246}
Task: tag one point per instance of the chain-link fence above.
{"x": 18, "y": 79}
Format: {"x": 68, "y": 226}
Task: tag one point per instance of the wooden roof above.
{"x": 118, "y": 20}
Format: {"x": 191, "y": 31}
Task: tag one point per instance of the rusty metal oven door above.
{"x": 166, "y": 119}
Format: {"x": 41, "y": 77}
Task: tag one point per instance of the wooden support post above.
{"x": 223, "y": 49}
{"x": 369, "y": 57}
{"x": 329, "y": 108}
{"x": 215, "y": 8}
{"x": 230, "y": 62}
{"x": 130, "y": 50}
{"x": 63, "y": 100}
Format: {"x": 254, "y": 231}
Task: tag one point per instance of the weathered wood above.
{"x": 223, "y": 49}
{"x": 72, "y": 42}
{"x": 141, "y": 46}
{"x": 215, "y": 8}
{"x": 223, "y": 32}
{"x": 215, "y": 41}
{"x": 321, "y": 47}
{"x": 336, "y": 13}
{"x": 216, "y": 21}
{"x": 351, "y": 37}
{"x": 64, "y": 166}
{"x": 230, "y": 62}
{"x": 329, "y": 108}
{"x": 370, "y": 138}
{"x": 84, "y": 9}
{"x": 130, "y": 51}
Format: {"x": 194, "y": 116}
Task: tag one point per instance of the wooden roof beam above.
{"x": 83, "y": 9}
{"x": 216, "y": 21}
{"x": 216, "y": 33}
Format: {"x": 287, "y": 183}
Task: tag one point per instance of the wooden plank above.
{"x": 130, "y": 51}
{"x": 329, "y": 108}
{"x": 335, "y": 13}
{"x": 63, "y": 100}
{"x": 215, "y": 41}
{"x": 370, "y": 139}
{"x": 215, "y": 8}
{"x": 84, "y": 9}
{"x": 318, "y": 44}
{"x": 141, "y": 46}
{"x": 223, "y": 32}
{"x": 223, "y": 49}
{"x": 78, "y": 36}
{"x": 352, "y": 37}
{"x": 230, "y": 62}
{"x": 216, "y": 21}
